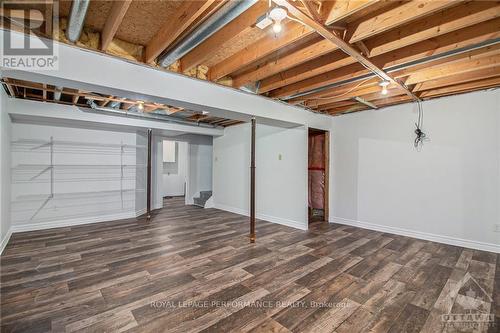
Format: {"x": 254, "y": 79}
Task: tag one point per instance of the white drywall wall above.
{"x": 449, "y": 191}
{"x": 5, "y": 132}
{"x": 281, "y": 184}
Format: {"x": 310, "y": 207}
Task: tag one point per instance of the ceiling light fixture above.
{"x": 384, "y": 85}
{"x": 140, "y": 106}
{"x": 277, "y": 14}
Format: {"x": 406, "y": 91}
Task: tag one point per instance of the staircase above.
{"x": 204, "y": 196}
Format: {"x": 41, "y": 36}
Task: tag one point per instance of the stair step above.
{"x": 199, "y": 202}
{"x": 205, "y": 194}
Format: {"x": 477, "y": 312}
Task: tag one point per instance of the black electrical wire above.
{"x": 420, "y": 135}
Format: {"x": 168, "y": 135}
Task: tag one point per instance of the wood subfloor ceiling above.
{"x": 193, "y": 270}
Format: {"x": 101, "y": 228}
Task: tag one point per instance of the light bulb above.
{"x": 277, "y": 27}
{"x": 140, "y": 106}
{"x": 384, "y": 85}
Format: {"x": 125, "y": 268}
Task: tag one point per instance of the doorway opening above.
{"x": 175, "y": 170}
{"x": 318, "y": 174}
{"x": 186, "y": 170}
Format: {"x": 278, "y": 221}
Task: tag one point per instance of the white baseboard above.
{"x": 265, "y": 217}
{"x": 420, "y": 235}
{"x": 76, "y": 221}
{"x": 5, "y": 240}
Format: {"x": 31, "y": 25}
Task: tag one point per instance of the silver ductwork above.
{"x": 76, "y": 19}
{"x": 57, "y": 93}
{"x": 114, "y": 105}
{"x": 227, "y": 13}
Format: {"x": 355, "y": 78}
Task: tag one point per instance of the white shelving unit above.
{"x": 57, "y": 194}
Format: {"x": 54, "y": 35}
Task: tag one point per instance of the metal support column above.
{"x": 252, "y": 185}
{"x": 148, "y": 190}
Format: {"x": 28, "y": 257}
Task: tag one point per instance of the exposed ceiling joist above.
{"x": 484, "y": 33}
{"x": 174, "y": 27}
{"x": 311, "y": 10}
{"x": 113, "y": 22}
{"x": 344, "y": 46}
{"x": 292, "y": 33}
{"x": 394, "y": 40}
{"x": 261, "y": 48}
{"x": 210, "y": 46}
{"x": 287, "y": 61}
{"x": 462, "y": 77}
{"x": 407, "y": 12}
{"x": 365, "y": 102}
{"x": 456, "y": 18}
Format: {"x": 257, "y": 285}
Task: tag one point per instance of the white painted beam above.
{"x": 93, "y": 71}
{"x": 67, "y": 115}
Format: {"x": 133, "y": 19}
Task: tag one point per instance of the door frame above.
{"x": 326, "y": 152}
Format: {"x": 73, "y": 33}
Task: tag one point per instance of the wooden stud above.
{"x": 184, "y": 16}
{"x": 449, "y": 69}
{"x": 113, "y": 22}
{"x": 263, "y": 47}
{"x": 287, "y": 61}
{"x": 49, "y": 8}
{"x": 407, "y": 12}
{"x": 441, "y": 23}
{"x": 458, "y": 78}
{"x": 311, "y": 10}
{"x": 325, "y": 63}
{"x": 364, "y": 49}
{"x": 211, "y": 45}
{"x": 463, "y": 87}
{"x": 334, "y": 11}
{"x": 292, "y": 33}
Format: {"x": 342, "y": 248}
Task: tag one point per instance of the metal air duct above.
{"x": 227, "y": 13}
{"x": 76, "y": 19}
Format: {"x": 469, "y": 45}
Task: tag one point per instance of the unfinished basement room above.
{"x": 250, "y": 166}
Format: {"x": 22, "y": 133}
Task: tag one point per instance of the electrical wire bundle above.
{"x": 420, "y": 135}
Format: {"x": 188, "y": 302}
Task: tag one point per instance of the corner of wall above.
{"x": 5, "y": 177}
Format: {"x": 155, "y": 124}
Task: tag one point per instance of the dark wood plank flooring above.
{"x": 193, "y": 270}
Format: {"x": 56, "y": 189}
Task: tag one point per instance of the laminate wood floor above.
{"x": 192, "y": 270}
